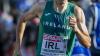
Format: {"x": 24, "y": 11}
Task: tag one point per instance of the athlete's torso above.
{"x": 55, "y": 32}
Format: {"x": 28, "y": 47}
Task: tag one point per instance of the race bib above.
{"x": 53, "y": 45}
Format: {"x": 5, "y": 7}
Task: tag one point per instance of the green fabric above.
{"x": 55, "y": 23}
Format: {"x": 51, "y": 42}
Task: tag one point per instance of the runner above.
{"x": 60, "y": 21}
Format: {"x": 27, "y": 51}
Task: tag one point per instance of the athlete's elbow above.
{"x": 87, "y": 44}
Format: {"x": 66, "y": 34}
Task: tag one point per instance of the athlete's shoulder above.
{"x": 78, "y": 9}
{"x": 79, "y": 14}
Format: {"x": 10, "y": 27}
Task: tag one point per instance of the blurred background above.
{"x": 12, "y": 10}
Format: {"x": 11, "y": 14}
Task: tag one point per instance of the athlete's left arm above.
{"x": 78, "y": 24}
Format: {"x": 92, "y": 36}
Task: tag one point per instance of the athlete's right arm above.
{"x": 35, "y": 11}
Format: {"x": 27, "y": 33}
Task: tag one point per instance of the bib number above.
{"x": 53, "y": 46}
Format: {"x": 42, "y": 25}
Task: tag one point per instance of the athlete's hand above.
{"x": 73, "y": 23}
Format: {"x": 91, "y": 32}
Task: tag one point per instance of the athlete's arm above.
{"x": 35, "y": 11}
{"x": 82, "y": 32}
{"x": 79, "y": 27}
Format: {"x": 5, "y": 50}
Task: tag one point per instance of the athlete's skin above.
{"x": 77, "y": 22}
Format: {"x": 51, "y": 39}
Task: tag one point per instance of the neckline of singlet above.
{"x": 53, "y": 9}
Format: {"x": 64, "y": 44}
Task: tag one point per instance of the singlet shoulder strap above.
{"x": 48, "y": 6}
{"x": 72, "y": 6}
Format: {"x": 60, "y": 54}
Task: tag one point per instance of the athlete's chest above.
{"x": 55, "y": 20}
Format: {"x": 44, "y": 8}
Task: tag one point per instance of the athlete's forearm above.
{"x": 19, "y": 36}
{"x": 83, "y": 38}
{"x": 81, "y": 30}
{"x": 20, "y": 31}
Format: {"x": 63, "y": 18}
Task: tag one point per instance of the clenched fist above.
{"x": 73, "y": 23}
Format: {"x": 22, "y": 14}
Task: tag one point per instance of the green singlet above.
{"x": 56, "y": 37}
